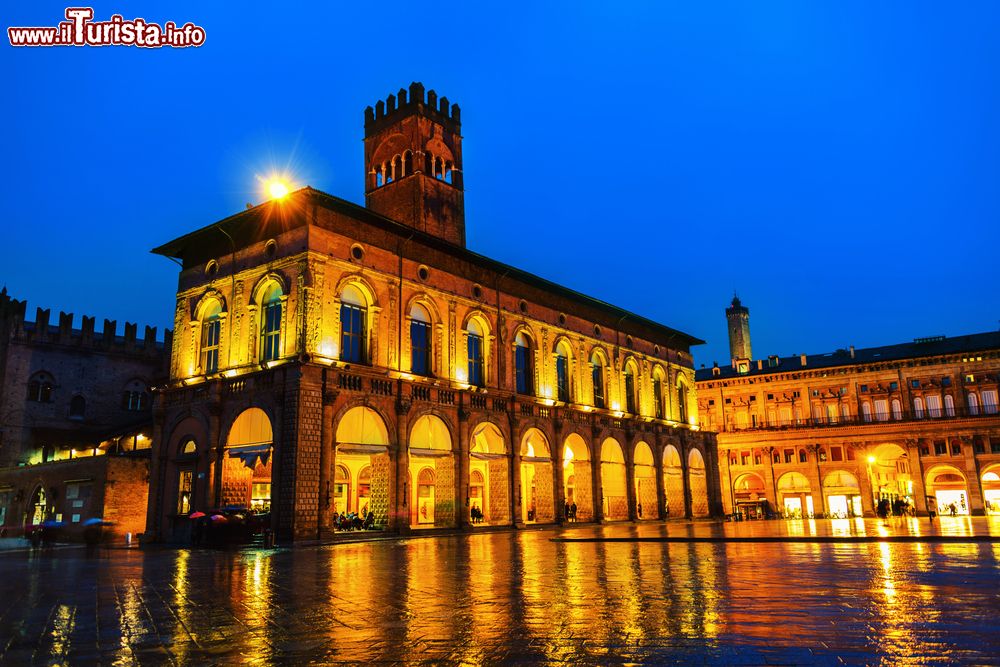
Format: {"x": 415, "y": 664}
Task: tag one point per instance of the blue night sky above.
{"x": 836, "y": 163}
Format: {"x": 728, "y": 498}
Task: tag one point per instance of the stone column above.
{"x": 867, "y": 489}
{"x": 917, "y": 475}
{"x": 219, "y": 449}
{"x": 973, "y": 481}
{"x": 515, "y": 458}
{"x": 559, "y": 495}
{"x": 687, "y": 477}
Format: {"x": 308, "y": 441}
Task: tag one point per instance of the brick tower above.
{"x": 413, "y": 162}
{"x": 739, "y": 331}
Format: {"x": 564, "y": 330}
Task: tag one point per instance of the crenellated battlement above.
{"x": 415, "y": 100}
{"x": 15, "y": 325}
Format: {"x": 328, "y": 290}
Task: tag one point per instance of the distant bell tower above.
{"x": 413, "y": 162}
{"x": 738, "y": 316}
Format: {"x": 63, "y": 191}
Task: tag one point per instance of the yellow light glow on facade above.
{"x": 277, "y": 189}
{"x": 871, "y": 459}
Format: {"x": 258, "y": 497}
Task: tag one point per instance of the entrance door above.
{"x": 793, "y": 507}
{"x": 952, "y": 503}
{"x": 838, "y": 506}
{"x": 425, "y": 497}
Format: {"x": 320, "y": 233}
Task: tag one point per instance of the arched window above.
{"x": 428, "y": 163}
{"x": 447, "y": 172}
{"x": 353, "y": 318}
{"x": 562, "y": 372}
{"x": 188, "y": 447}
{"x": 866, "y": 411}
{"x": 682, "y": 402}
{"x": 918, "y": 407}
{"x": 476, "y": 356}
{"x": 597, "y": 377}
{"x": 407, "y": 163}
{"x": 40, "y": 388}
{"x": 658, "y": 410}
{"x": 803, "y": 457}
{"x": 395, "y": 170}
{"x": 523, "y": 368}
{"x": 934, "y": 406}
{"x": 949, "y": 405}
{"x": 211, "y": 325}
{"x": 135, "y": 396}
{"x": 420, "y": 340}
{"x": 379, "y": 177}
{"x": 270, "y": 333}
{"x": 77, "y": 406}
{"x": 973, "y": 402}
{"x": 897, "y": 409}
{"x": 630, "y": 393}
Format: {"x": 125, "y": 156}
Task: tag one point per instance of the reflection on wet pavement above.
{"x": 507, "y": 596}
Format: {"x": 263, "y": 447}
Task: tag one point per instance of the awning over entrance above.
{"x": 251, "y": 454}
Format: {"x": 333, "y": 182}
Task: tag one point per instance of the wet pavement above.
{"x": 514, "y": 597}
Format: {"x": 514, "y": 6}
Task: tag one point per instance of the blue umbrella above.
{"x": 96, "y": 522}
{"x": 52, "y": 523}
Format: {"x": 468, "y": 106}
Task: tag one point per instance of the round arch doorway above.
{"x": 578, "y": 484}
{"x": 749, "y": 497}
{"x": 489, "y": 477}
{"x": 644, "y": 472}
{"x": 537, "y": 504}
{"x": 361, "y": 473}
{"x": 991, "y": 489}
{"x": 613, "y": 481}
{"x": 946, "y": 485}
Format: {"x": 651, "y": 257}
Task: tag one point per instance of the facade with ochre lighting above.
{"x": 833, "y": 434}
{"x": 331, "y": 358}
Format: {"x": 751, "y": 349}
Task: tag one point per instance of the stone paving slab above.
{"x": 507, "y": 598}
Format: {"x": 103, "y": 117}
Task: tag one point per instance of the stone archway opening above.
{"x": 795, "y": 496}
{"x": 749, "y": 498}
{"x": 889, "y": 474}
{"x": 361, "y": 466}
{"x": 537, "y": 502}
{"x": 991, "y": 489}
{"x": 946, "y": 485}
{"x": 246, "y": 467}
{"x": 38, "y": 508}
{"x": 489, "y": 477}
{"x": 698, "y": 483}
{"x": 842, "y": 493}
{"x": 644, "y": 474}
{"x": 432, "y": 466}
{"x": 578, "y": 485}
{"x": 673, "y": 482}
{"x": 613, "y": 481}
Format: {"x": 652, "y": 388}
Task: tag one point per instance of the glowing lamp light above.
{"x": 871, "y": 459}
{"x": 277, "y": 189}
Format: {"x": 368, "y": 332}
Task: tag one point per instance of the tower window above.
{"x": 77, "y": 406}
{"x": 270, "y": 334}
{"x": 40, "y": 388}
{"x": 420, "y": 341}
{"x": 524, "y": 380}
{"x": 135, "y": 397}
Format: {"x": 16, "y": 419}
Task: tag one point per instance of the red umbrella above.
{"x": 217, "y": 517}
{"x": 196, "y": 515}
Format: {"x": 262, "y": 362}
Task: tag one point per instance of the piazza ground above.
{"x": 521, "y": 596}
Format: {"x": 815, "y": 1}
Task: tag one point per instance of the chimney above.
{"x": 852, "y": 351}
{"x": 802, "y": 358}
{"x": 760, "y": 364}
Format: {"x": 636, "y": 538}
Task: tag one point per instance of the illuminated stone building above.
{"x": 830, "y": 434}
{"x": 75, "y": 419}
{"x": 335, "y": 358}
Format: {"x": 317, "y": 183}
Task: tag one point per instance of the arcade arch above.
{"x": 698, "y": 483}
{"x": 432, "y": 466}
{"x": 361, "y": 473}
{"x": 946, "y": 484}
{"x": 578, "y": 484}
{"x": 246, "y": 466}
{"x": 644, "y": 473}
{"x": 613, "y": 481}
{"x": 673, "y": 482}
{"x": 489, "y": 475}
{"x": 537, "y": 503}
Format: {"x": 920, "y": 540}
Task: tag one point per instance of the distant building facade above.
{"x": 832, "y": 434}
{"x": 331, "y": 358}
{"x": 69, "y": 397}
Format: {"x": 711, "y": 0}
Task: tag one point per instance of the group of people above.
{"x": 352, "y": 521}
{"x": 476, "y": 515}
{"x": 896, "y": 508}
{"x": 570, "y": 511}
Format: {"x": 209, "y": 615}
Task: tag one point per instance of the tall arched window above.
{"x": 682, "y": 402}
{"x": 562, "y": 372}
{"x": 866, "y": 411}
{"x": 420, "y": 340}
{"x": 407, "y": 163}
{"x": 597, "y": 377}
{"x": 211, "y": 325}
{"x": 918, "y": 407}
{"x": 270, "y": 318}
{"x": 523, "y": 368}
{"x": 973, "y": 402}
{"x": 630, "y": 393}
{"x": 658, "y": 410}
{"x": 40, "y": 388}
{"x": 476, "y": 356}
{"x": 949, "y": 405}
{"x": 897, "y": 409}
{"x": 135, "y": 396}
{"x": 353, "y": 317}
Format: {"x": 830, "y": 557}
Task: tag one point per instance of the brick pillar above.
{"x": 972, "y": 480}
{"x": 661, "y": 492}
{"x": 559, "y": 497}
{"x": 218, "y": 448}
{"x": 917, "y": 475}
{"x": 630, "y": 499}
{"x": 400, "y": 513}
{"x": 157, "y": 478}
{"x": 687, "y": 478}
{"x": 326, "y": 463}
{"x": 463, "y": 519}
{"x": 867, "y": 490}
{"x": 598, "y": 478}
{"x": 515, "y": 468}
